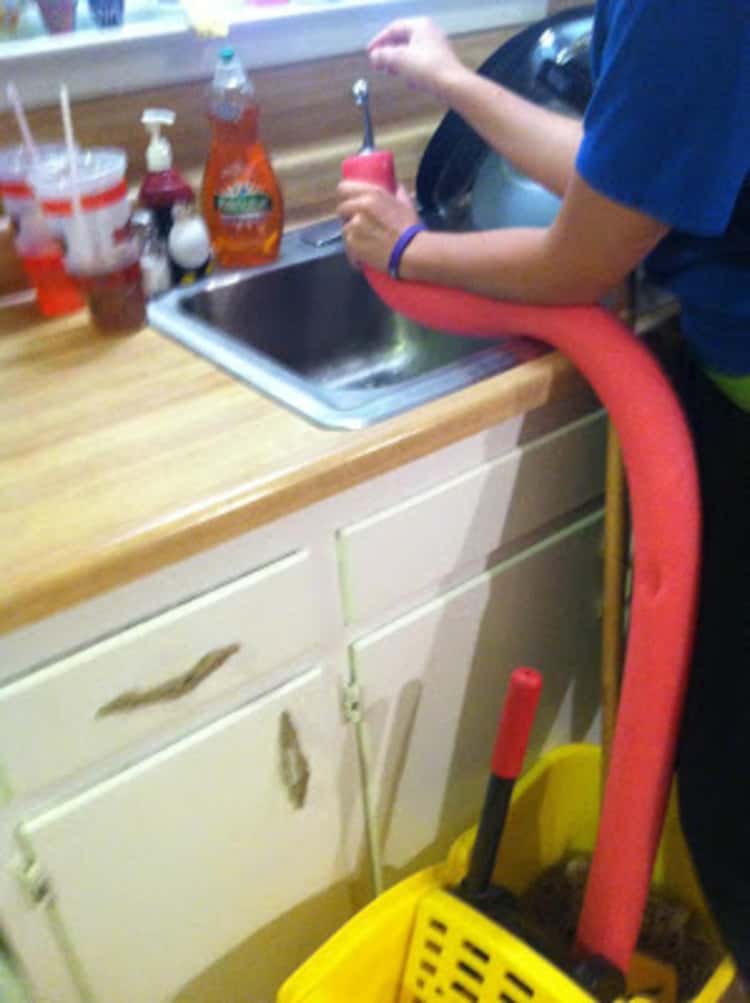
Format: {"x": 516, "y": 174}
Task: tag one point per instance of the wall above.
{"x": 309, "y": 123}
{"x": 556, "y": 5}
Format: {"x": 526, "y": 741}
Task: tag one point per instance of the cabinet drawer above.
{"x": 98, "y": 700}
{"x": 420, "y": 541}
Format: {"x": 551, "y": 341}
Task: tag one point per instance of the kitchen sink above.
{"x": 308, "y": 332}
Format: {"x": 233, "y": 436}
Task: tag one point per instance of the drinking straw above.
{"x": 28, "y": 140}
{"x": 79, "y": 223}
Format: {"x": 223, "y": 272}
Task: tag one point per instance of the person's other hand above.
{"x": 417, "y": 50}
{"x": 373, "y": 221}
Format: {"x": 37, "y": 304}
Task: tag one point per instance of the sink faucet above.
{"x": 369, "y": 164}
{"x": 330, "y": 233}
{"x": 361, "y": 95}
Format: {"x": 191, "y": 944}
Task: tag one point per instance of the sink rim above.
{"x": 284, "y": 386}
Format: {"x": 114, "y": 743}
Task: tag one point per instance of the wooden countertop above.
{"x": 122, "y": 454}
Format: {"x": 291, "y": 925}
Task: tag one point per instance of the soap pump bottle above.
{"x": 164, "y": 186}
{"x": 241, "y": 199}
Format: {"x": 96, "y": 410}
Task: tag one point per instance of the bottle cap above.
{"x": 229, "y": 73}
{"x": 159, "y": 152}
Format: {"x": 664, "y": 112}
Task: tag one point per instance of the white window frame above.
{"x": 167, "y": 51}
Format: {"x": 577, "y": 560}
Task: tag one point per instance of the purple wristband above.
{"x": 400, "y": 246}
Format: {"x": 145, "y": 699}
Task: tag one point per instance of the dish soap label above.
{"x": 243, "y": 202}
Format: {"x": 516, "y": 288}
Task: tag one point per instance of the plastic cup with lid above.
{"x": 115, "y": 295}
{"x": 101, "y": 250}
{"x": 91, "y": 241}
{"x": 15, "y": 167}
{"x": 40, "y": 254}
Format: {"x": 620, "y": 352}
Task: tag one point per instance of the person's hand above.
{"x": 373, "y": 221}
{"x": 417, "y": 50}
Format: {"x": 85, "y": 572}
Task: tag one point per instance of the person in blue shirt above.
{"x": 657, "y": 173}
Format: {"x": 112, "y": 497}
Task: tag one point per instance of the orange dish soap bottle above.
{"x": 240, "y": 199}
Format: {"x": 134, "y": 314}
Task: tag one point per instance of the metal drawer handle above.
{"x": 295, "y": 769}
{"x": 172, "y": 689}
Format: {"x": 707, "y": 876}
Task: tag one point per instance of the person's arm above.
{"x": 591, "y": 247}
{"x": 540, "y": 143}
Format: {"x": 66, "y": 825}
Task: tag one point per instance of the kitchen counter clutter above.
{"x": 123, "y": 454}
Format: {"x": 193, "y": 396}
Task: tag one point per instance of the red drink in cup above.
{"x": 42, "y": 259}
{"x": 116, "y": 298}
{"x": 41, "y": 255}
{"x": 100, "y": 250}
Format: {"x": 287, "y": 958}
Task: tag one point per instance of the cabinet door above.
{"x": 208, "y": 845}
{"x": 432, "y": 684}
{"x": 437, "y": 532}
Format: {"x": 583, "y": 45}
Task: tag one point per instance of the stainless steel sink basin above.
{"x": 308, "y": 332}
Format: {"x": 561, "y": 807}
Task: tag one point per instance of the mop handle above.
{"x": 516, "y": 722}
{"x": 511, "y": 741}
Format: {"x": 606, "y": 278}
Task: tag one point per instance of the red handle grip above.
{"x": 516, "y": 721}
{"x": 375, "y": 166}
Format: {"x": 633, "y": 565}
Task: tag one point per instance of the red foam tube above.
{"x": 662, "y": 479}
{"x": 516, "y": 721}
{"x": 658, "y": 457}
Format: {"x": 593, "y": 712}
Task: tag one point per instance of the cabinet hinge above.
{"x": 34, "y": 880}
{"x": 6, "y": 791}
{"x": 352, "y": 703}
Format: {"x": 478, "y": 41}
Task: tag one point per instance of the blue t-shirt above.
{"x": 667, "y": 131}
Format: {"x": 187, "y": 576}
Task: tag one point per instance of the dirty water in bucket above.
{"x": 671, "y": 931}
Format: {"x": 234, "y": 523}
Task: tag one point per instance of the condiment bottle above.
{"x": 189, "y": 246}
{"x": 155, "y": 271}
{"x": 241, "y": 200}
{"x": 164, "y": 186}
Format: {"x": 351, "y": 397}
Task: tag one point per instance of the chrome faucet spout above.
{"x": 361, "y": 95}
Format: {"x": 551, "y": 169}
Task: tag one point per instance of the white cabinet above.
{"x": 432, "y": 684}
{"x": 174, "y": 834}
{"x": 162, "y": 869}
{"x": 176, "y": 796}
{"x": 156, "y": 673}
{"x": 423, "y": 539}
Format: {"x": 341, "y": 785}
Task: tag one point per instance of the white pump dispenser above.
{"x": 159, "y": 152}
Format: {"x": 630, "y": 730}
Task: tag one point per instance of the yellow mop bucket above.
{"x": 418, "y": 943}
